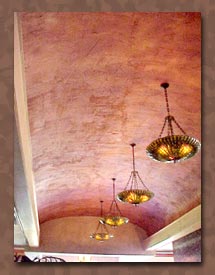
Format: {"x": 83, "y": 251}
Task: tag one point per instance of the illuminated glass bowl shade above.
{"x": 115, "y": 220}
{"x": 114, "y": 217}
{"x": 135, "y": 196}
{"x": 173, "y": 148}
{"x": 101, "y": 236}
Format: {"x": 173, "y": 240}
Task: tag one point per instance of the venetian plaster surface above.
{"x": 93, "y": 87}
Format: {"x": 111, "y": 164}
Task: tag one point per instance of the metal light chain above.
{"x": 132, "y": 145}
{"x": 167, "y": 103}
{"x": 170, "y": 129}
{"x": 162, "y": 128}
{"x": 169, "y": 118}
{"x": 114, "y": 203}
{"x": 128, "y": 181}
{"x": 113, "y": 189}
{"x": 134, "y": 179}
{"x": 101, "y": 208}
{"x": 179, "y": 126}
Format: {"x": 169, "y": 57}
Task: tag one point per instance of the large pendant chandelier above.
{"x": 172, "y": 148}
{"x": 132, "y": 193}
{"x": 114, "y": 217}
{"x": 101, "y": 234}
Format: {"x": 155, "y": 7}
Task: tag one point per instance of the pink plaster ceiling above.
{"x": 93, "y": 87}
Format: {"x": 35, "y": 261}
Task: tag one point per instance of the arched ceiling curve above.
{"x": 93, "y": 87}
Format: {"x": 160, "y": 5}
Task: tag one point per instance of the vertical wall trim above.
{"x": 23, "y": 130}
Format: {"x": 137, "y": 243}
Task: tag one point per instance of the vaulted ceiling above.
{"x": 93, "y": 87}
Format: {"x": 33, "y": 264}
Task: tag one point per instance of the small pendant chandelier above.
{"x": 114, "y": 217}
{"x": 101, "y": 234}
{"x": 172, "y": 148}
{"x": 134, "y": 195}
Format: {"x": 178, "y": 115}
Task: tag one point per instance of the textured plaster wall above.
{"x": 188, "y": 248}
{"x": 93, "y": 87}
{"x": 71, "y": 235}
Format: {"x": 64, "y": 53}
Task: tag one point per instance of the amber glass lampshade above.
{"x": 115, "y": 220}
{"x": 172, "y": 148}
{"x": 101, "y": 234}
{"x": 132, "y": 193}
{"x": 135, "y": 196}
{"x": 114, "y": 217}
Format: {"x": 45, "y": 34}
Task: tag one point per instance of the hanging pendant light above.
{"x": 101, "y": 234}
{"x": 172, "y": 148}
{"x": 114, "y": 217}
{"x": 134, "y": 195}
